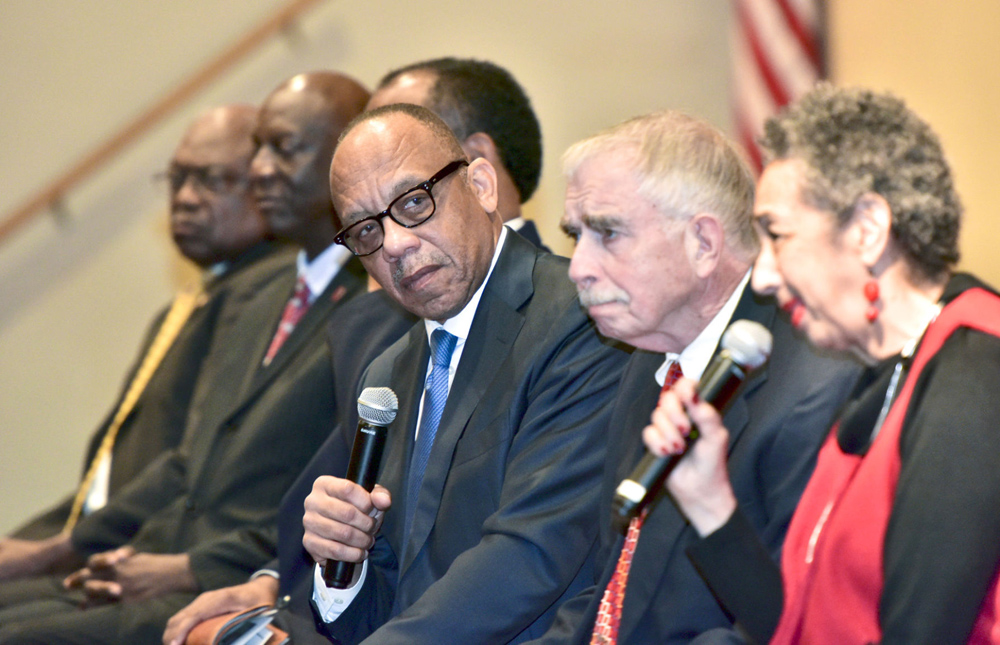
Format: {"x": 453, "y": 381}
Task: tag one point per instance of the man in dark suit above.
{"x": 479, "y": 525}
{"x": 216, "y": 225}
{"x": 660, "y": 208}
{"x": 491, "y": 116}
{"x": 262, "y": 405}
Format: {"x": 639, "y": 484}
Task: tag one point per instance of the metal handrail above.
{"x": 50, "y": 195}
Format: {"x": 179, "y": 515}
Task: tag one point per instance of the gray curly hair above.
{"x": 855, "y": 141}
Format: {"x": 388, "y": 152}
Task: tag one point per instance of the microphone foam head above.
{"x": 378, "y": 405}
{"x": 748, "y": 342}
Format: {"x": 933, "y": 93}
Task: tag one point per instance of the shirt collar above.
{"x": 320, "y": 272}
{"x": 695, "y": 357}
{"x": 515, "y": 223}
{"x": 460, "y": 324}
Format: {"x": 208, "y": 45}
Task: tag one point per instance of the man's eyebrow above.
{"x": 403, "y": 186}
{"x": 602, "y": 222}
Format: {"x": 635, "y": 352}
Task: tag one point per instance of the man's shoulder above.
{"x": 536, "y": 282}
{"x": 269, "y": 268}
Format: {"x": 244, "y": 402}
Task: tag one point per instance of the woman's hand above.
{"x": 700, "y": 482}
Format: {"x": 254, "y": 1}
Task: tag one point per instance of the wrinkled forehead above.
{"x": 388, "y": 146}
{"x": 214, "y": 146}
{"x": 379, "y": 159}
{"x": 291, "y": 111}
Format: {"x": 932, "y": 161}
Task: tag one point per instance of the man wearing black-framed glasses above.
{"x": 492, "y": 461}
{"x": 411, "y": 209}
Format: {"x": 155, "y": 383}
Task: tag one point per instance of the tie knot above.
{"x": 442, "y": 346}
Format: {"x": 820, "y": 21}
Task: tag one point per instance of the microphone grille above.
{"x": 378, "y": 405}
{"x": 748, "y": 342}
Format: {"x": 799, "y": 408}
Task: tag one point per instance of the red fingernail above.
{"x": 696, "y": 398}
{"x": 664, "y": 451}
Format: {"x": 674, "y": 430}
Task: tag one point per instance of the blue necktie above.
{"x": 435, "y": 397}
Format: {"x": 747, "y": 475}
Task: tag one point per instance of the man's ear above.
{"x": 704, "y": 239}
{"x": 483, "y": 180}
{"x": 480, "y": 145}
{"x": 870, "y": 229}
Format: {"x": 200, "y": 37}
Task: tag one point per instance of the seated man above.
{"x": 507, "y": 382}
{"x": 262, "y": 405}
{"x": 492, "y": 117}
{"x": 661, "y": 210}
{"x": 216, "y": 225}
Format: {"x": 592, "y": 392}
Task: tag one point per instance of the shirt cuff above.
{"x": 330, "y": 602}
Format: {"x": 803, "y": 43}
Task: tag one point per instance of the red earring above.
{"x": 871, "y": 295}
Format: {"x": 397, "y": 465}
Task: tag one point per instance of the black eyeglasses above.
{"x": 207, "y": 179}
{"x": 412, "y": 208}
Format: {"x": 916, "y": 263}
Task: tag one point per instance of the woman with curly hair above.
{"x": 897, "y": 536}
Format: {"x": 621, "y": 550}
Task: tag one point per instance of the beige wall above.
{"x": 75, "y": 300}
{"x": 944, "y": 59}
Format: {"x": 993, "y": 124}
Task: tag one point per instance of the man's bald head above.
{"x": 299, "y": 124}
{"x": 340, "y": 97}
{"x": 441, "y": 132}
{"x": 212, "y": 216}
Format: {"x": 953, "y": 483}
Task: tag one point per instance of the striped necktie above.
{"x": 435, "y": 397}
{"x": 609, "y": 613}
{"x": 294, "y": 310}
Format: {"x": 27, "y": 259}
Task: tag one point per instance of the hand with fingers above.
{"x": 699, "y": 483}
{"x": 124, "y": 575}
{"x": 342, "y": 519}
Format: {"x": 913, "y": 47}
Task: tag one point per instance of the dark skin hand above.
{"x": 126, "y": 576}
{"x": 262, "y": 590}
{"x": 341, "y": 520}
{"x": 23, "y": 558}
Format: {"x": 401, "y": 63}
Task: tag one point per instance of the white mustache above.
{"x": 594, "y": 296}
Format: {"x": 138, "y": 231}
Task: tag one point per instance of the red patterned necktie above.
{"x": 294, "y": 310}
{"x": 609, "y": 614}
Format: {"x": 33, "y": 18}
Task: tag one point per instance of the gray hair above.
{"x": 685, "y": 166}
{"x": 854, "y": 142}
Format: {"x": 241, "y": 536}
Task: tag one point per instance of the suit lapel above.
{"x": 495, "y": 326}
{"x": 408, "y": 373}
{"x": 666, "y": 527}
{"x": 349, "y": 281}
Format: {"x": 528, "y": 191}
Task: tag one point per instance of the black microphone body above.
{"x": 718, "y": 386}
{"x": 366, "y": 457}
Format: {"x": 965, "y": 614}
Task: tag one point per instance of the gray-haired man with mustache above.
{"x": 660, "y": 209}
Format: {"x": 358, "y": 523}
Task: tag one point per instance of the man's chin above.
{"x": 434, "y": 308}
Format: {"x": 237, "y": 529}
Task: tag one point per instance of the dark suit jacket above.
{"x": 503, "y": 524}
{"x": 776, "y": 426}
{"x": 530, "y": 232}
{"x": 251, "y": 430}
{"x": 156, "y": 423}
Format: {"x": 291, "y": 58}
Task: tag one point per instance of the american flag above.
{"x": 777, "y": 55}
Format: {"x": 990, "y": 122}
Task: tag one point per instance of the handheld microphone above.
{"x": 746, "y": 346}
{"x": 377, "y": 408}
